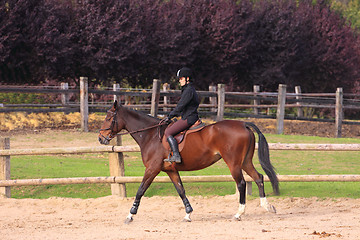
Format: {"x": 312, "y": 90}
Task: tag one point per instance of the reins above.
{"x": 143, "y": 129}
{"x": 114, "y": 122}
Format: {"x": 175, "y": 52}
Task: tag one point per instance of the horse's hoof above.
{"x": 271, "y": 208}
{"x": 128, "y": 220}
{"x": 237, "y": 217}
{"x": 267, "y": 206}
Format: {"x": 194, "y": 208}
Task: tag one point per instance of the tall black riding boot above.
{"x": 175, "y": 149}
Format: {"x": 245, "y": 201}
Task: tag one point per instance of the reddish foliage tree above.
{"x": 17, "y": 57}
{"x": 240, "y": 43}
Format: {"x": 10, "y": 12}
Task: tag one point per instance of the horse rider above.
{"x": 186, "y": 108}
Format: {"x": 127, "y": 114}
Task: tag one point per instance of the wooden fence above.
{"x": 118, "y": 179}
{"x": 215, "y": 102}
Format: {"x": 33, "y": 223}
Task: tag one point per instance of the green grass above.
{"x": 286, "y": 163}
{"x": 275, "y": 138}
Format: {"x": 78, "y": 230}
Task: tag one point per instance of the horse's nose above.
{"x": 103, "y": 141}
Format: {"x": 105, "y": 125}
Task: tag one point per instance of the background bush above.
{"x": 239, "y": 43}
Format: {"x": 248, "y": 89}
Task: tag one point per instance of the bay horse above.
{"x": 231, "y": 140}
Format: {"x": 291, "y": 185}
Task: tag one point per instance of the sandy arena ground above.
{"x": 161, "y": 218}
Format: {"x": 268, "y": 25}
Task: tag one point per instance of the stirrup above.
{"x": 171, "y": 159}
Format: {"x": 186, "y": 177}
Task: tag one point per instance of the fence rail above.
{"x": 135, "y": 148}
{"x": 116, "y": 165}
{"x": 220, "y": 103}
{"x": 185, "y": 179}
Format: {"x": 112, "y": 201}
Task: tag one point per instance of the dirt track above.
{"x": 161, "y": 218}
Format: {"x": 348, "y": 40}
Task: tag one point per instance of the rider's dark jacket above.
{"x": 187, "y": 105}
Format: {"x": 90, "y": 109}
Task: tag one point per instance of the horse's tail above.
{"x": 264, "y": 158}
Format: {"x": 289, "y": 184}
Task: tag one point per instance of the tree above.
{"x": 327, "y": 53}
{"x": 305, "y": 44}
{"x": 240, "y": 43}
{"x": 18, "y": 61}
{"x": 57, "y": 40}
{"x": 234, "y": 31}
{"x": 185, "y": 40}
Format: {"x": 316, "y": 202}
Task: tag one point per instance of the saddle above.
{"x": 181, "y": 137}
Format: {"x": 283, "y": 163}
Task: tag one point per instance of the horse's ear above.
{"x": 115, "y": 105}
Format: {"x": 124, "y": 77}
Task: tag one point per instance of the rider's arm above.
{"x": 186, "y": 97}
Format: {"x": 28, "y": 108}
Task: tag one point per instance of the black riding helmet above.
{"x": 185, "y": 72}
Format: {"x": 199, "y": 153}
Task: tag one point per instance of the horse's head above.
{"x": 111, "y": 125}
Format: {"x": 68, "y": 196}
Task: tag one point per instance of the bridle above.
{"x": 114, "y": 123}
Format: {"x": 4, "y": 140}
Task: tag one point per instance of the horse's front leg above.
{"x": 175, "y": 178}
{"x": 148, "y": 178}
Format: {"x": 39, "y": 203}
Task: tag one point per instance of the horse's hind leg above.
{"x": 259, "y": 180}
{"x": 175, "y": 178}
{"x": 236, "y": 173}
{"x": 241, "y": 185}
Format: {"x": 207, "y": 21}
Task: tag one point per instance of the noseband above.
{"x": 112, "y": 125}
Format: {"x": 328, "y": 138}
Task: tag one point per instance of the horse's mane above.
{"x": 146, "y": 119}
{"x": 142, "y": 114}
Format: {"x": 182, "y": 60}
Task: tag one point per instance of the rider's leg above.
{"x": 175, "y": 149}
{"x": 170, "y": 132}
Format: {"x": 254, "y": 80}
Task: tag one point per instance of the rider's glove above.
{"x": 167, "y": 120}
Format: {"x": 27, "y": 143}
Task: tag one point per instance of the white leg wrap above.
{"x": 268, "y": 207}
{"x": 263, "y": 202}
{"x": 187, "y": 217}
{"x": 240, "y": 212}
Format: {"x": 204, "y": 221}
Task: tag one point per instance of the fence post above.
{"x": 280, "y": 113}
{"x": 155, "y": 98}
{"x": 299, "y": 109}
{"x": 212, "y": 100}
{"x": 117, "y": 169}
{"x": 5, "y": 168}
{"x": 221, "y": 102}
{"x": 339, "y": 114}
{"x": 84, "y": 104}
{"x": 249, "y": 188}
{"x": 64, "y": 96}
{"x": 256, "y": 102}
{"x": 166, "y": 88}
{"x": 116, "y": 88}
